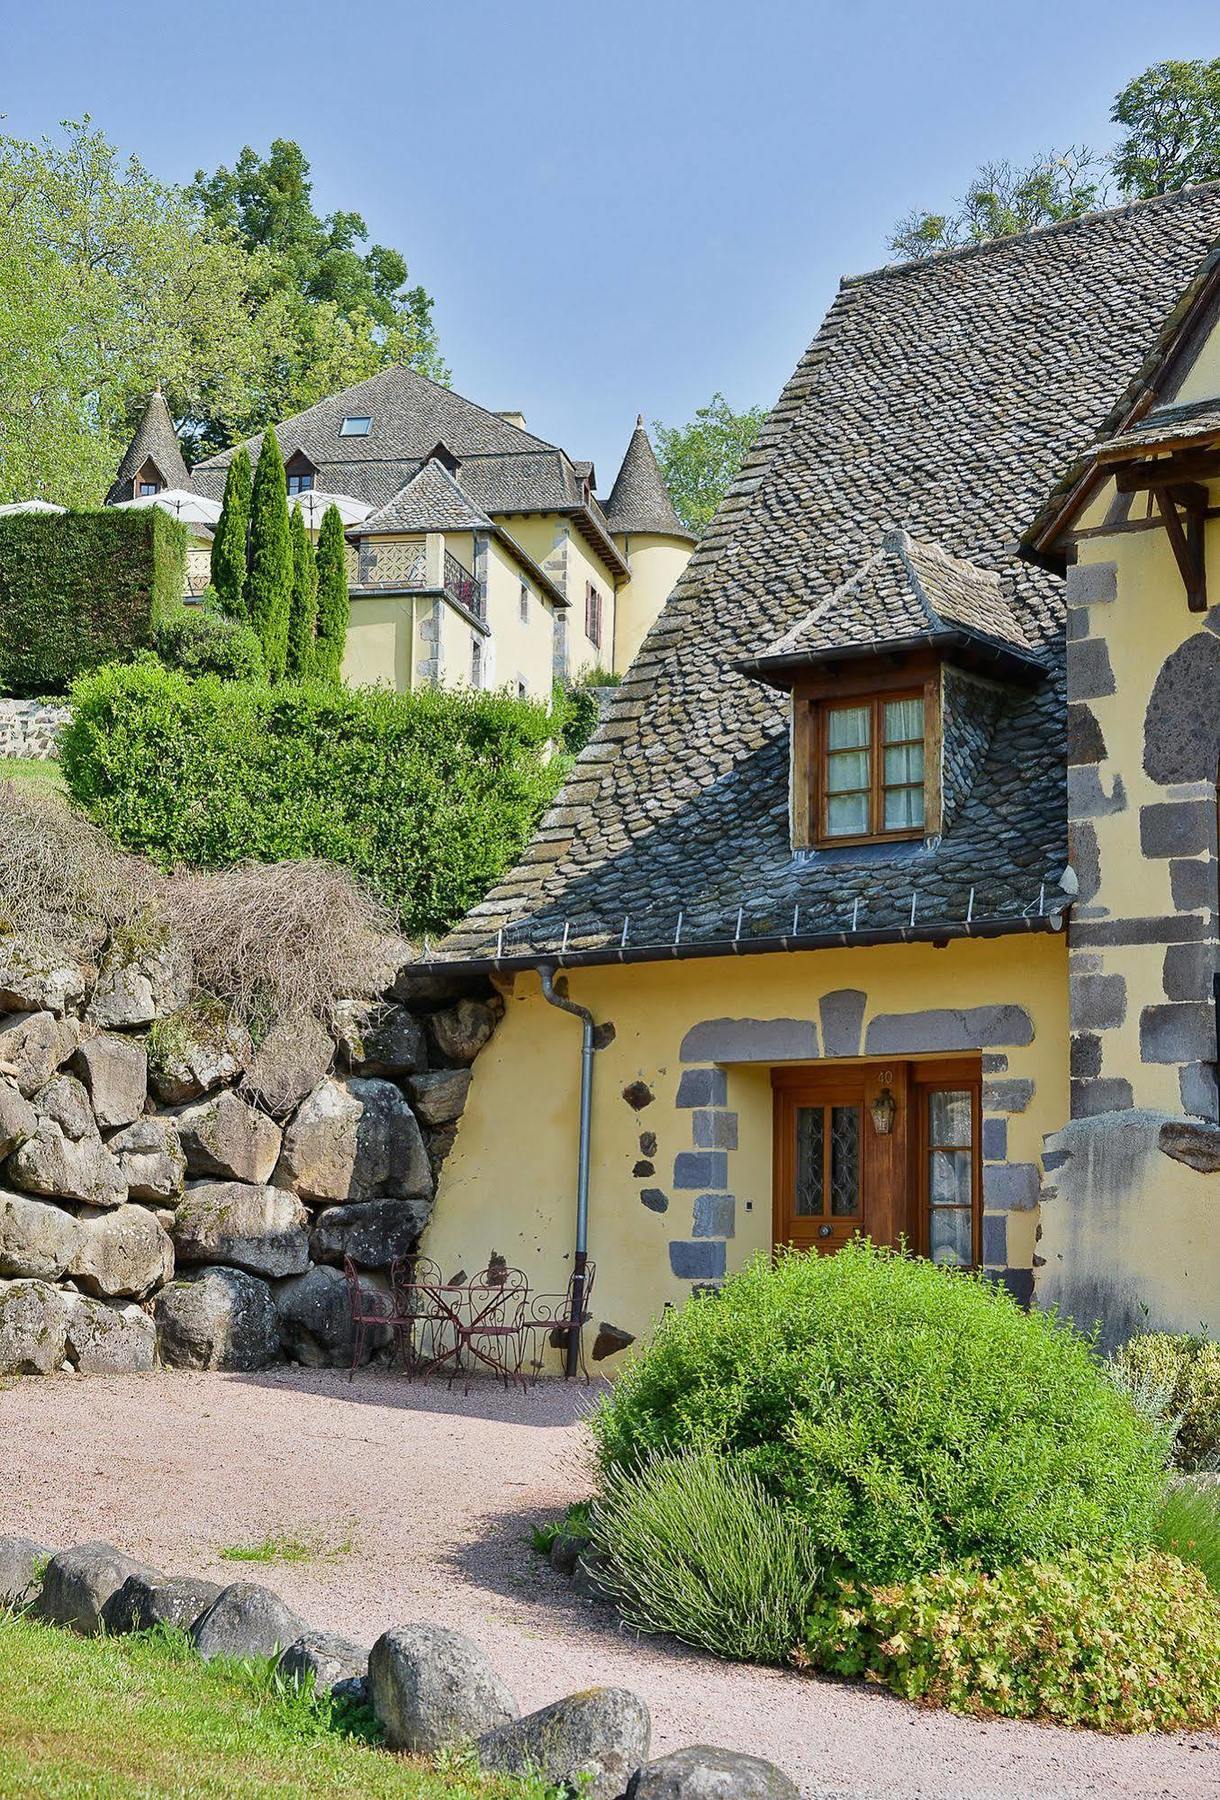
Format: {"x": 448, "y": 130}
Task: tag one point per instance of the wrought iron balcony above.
{"x": 462, "y": 587}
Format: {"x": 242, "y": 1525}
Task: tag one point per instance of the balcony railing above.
{"x": 403, "y": 567}
{"x": 462, "y": 587}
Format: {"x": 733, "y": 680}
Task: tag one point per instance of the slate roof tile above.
{"x": 154, "y": 438}
{"x": 639, "y": 500}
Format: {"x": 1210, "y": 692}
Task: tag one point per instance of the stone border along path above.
{"x": 435, "y": 1491}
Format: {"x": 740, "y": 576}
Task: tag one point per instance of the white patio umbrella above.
{"x": 314, "y": 504}
{"x": 192, "y": 509}
{"x": 22, "y": 506}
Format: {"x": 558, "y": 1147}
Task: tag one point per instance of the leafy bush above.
{"x": 1119, "y": 1642}
{"x": 200, "y": 641}
{"x": 577, "y": 708}
{"x": 81, "y": 589}
{"x": 913, "y": 1417}
{"x": 694, "y": 1545}
{"x": 1188, "y": 1526}
{"x": 575, "y": 1522}
{"x": 425, "y": 797}
{"x": 1185, "y": 1370}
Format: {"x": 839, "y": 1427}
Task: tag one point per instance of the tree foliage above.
{"x": 269, "y": 584}
{"x": 230, "y": 543}
{"x": 333, "y": 606}
{"x": 303, "y": 610}
{"x": 700, "y": 459}
{"x": 1171, "y": 120}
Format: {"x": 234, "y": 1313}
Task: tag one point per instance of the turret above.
{"x": 153, "y": 459}
{"x": 652, "y": 538}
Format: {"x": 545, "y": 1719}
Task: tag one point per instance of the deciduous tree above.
{"x": 700, "y": 459}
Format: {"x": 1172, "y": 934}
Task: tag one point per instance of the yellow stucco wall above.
{"x": 656, "y": 563}
{"x": 570, "y": 561}
{"x": 509, "y": 1183}
{"x": 523, "y": 650}
{"x": 379, "y": 643}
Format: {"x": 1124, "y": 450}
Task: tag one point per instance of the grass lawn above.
{"x": 28, "y": 768}
{"x": 129, "y": 1718}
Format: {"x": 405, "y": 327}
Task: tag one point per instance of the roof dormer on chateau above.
{"x": 479, "y": 553}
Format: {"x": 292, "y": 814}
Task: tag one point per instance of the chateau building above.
{"x": 479, "y": 554}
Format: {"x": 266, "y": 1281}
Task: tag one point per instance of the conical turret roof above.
{"x": 639, "y": 500}
{"x": 156, "y": 441}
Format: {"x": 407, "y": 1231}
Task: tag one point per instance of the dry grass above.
{"x": 270, "y": 940}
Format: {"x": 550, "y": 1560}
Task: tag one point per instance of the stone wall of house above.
{"x": 171, "y": 1188}
{"x": 31, "y": 728}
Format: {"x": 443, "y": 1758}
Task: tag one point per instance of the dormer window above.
{"x": 869, "y": 778}
{"x": 355, "y": 426}
{"x": 300, "y": 484}
{"x": 148, "y": 488}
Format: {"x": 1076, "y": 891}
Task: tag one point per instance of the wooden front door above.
{"x": 836, "y": 1174}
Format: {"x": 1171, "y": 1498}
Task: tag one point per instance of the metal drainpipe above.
{"x": 580, "y": 1258}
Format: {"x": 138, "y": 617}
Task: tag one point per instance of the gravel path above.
{"x": 433, "y": 1493}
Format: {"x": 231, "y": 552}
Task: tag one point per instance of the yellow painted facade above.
{"x": 509, "y": 1183}
{"x": 655, "y": 563}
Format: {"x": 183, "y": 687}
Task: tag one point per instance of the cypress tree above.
{"x": 333, "y": 604}
{"x": 229, "y": 541}
{"x": 269, "y": 588}
{"x": 303, "y": 614}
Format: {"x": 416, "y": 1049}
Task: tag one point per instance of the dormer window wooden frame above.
{"x": 843, "y": 725}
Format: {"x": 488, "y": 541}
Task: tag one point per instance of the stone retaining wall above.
{"x": 31, "y": 728}
{"x": 169, "y": 1187}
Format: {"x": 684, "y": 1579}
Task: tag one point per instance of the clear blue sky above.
{"x": 617, "y": 208}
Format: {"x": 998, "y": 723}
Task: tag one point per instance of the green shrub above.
{"x": 575, "y": 1522}
{"x": 425, "y": 797}
{"x": 303, "y": 610}
{"x": 230, "y": 539}
{"x": 1119, "y": 1642}
{"x": 81, "y": 589}
{"x": 200, "y": 641}
{"x": 1184, "y": 1372}
{"x": 333, "y": 601}
{"x": 1188, "y": 1525}
{"x": 912, "y": 1416}
{"x": 695, "y": 1546}
{"x": 269, "y": 583}
{"x": 577, "y": 708}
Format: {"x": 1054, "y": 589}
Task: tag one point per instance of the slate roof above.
{"x": 639, "y": 500}
{"x": 1164, "y": 425}
{"x": 430, "y": 501}
{"x": 944, "y": 396}
{"x": 905, "y": 593}
{"x": 154, "y": 437}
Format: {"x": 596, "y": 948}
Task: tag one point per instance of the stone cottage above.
{"x": 888, "y": 887}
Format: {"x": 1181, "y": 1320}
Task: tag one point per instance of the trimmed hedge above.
{"x": 200, "y": 640}
{"x": 426, "y": 797}
{"x": 80, "y": 589}
{"x": 911, "y": 1416}
{"x": 1120, "y": 1643}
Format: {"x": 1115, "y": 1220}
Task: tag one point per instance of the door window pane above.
{"x": 845, "y": 1162}
{"x": 951, "y": 1237}
{"x": 949, "y": 1118}
{"x": 949, "y": 1178}
{"x": 810, "y": 1152}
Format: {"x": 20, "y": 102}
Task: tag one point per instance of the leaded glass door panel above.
{"x": 821, "y": 1145}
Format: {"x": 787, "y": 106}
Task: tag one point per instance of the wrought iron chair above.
{"x": 553, "y": 1316}
{"x": 490, "y": 1331}
{"x": 367, "y": 1309}
{"x": 416, "y": 1281}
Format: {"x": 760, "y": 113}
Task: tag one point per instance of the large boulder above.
{"x": 352, "y": 1140}
{"x": 33, "y": 1328}
{"x": 150, "y": 1599}
{"x": 126, "y": 1253}
{"x": 33, "y": 979}
{"x": 386, "y": 1040}
{"x": 431, "y": 1687}
{"x": 195, "y": 1051}
{"x": 36, "y": 1238}
{"x": 289, "y": 1062}
{"x": 150, "y": 1158}
{"x": 21, "y": 1561}
{"x": 114, "y": 1071}
{"x": 704, "y": 1773}
{"x": 78, "y": 1583}
{"x": 440, "y": 1097}
{"x": 374, "y": 1233}
{"x": 324, "y": 1656}
{"x": 316, "y": 1319}
{"x": 460, "y": 1032}
{"x": 245, "y": 1620}
{"x": 418, "y": 987}
{"x": 18, "y": 1120}
{"x": 136, "y": 990}
{"x": 598, "y": 1738}
{"x": 223, "y": 1136}
{"x": 66, "y": 1157}
{"x": 33, "y": 1046}
{"x": 65, "y": 1102}
{"x": 260, "y": 1229}
{"x": 219, "y": 1319}
{"x": 108, "y": 1340}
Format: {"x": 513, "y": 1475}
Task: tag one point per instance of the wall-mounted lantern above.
{"x": 884, "y": 1110}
